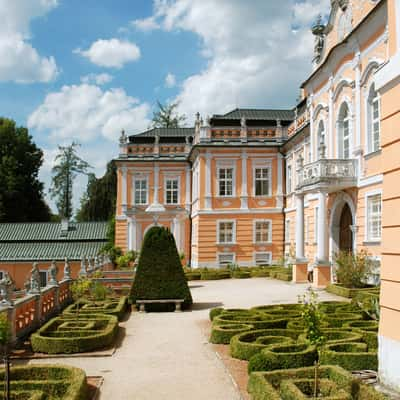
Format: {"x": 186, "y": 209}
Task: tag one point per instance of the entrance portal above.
{"x": 345, "y": 232}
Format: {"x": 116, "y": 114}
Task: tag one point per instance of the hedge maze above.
{"x": 281, "y": 360}
{"x": 84, "y": 326}
{"x": 46, "y": 382}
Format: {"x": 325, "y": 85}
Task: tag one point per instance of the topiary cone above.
{"x": 159, "y": 273}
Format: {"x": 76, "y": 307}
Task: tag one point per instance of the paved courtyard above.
{"x": 165, "y": 356}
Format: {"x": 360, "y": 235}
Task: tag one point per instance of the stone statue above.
{"x": 35, "y": 279}
{"x": 67, "y": 269}
{"x": 82, "y": 271}
{"x": 53, "y": 273}
{"x": 27, "y": 285}
{"x": 6, "y": 289}
{"x": 243, "y": 123}
{"x": 123, "y": 138}
{"x": 96, "y": 262}
{"x": 319, "y": 41}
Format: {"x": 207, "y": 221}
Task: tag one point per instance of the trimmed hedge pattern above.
{"x": 66, "y": 334}
{"x": 46, "y": 382}
{"x": 340, "y": 290}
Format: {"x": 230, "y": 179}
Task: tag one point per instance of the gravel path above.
{"x": 164, "y": 356}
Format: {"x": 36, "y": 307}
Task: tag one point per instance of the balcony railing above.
{"x": 330, "y": 174}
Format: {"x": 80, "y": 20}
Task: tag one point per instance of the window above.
{"x": 262, "y": 231}
{"x": 140, "y": 190}
{"x": 321, "y": 137}
{"x": 225, "y": 259}
{"x": 289, "y": 179}
{"x": 43, "y": 278}
{"x": 226, "y": 232}
{"x": 373, "y": 114}
{"x": 344, "y": 132}
{"x": 262, "y": 258}
{"x": 261, "y": 181}
{"x": 171, "y": 191}
{"x": 315, "y": 224}
{"x": 287, "y": 231}
{"x": 225, "y": 181}
{"x": 374, "y": 225}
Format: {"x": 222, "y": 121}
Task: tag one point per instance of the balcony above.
{"x": 329, "y": 175}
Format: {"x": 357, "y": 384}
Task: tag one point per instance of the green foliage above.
{"x": 67, "y": 166}
{"x": 80, "y": 289}
{"x": 350, "y": 293}
{"x": 21, "y": 194}
{"x": 167, "y": 116}
{"x": 240, "y": 274}
{"x": 126, "y": 259}
{"x": 214, "y": 274}
{"x": 46, "y": 382}
{"x": 5, "y": 330}
{"x": 98, "y": 203}
{"x": 193, "y": 276}
{"x": 110, "y": 249}
{"x": 353, "y": 269}
{"x": 159, "y": 272}
{"x": 222, "y": 334}
{"x": 312, "y": 318}
{"x": 81, "y": 334}
{"x": 215, "y": 312}
{"x": 98, "y": 291}
{"x": 368, "y": 302}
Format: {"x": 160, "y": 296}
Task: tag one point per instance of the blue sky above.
{"x": 84, "y": 70}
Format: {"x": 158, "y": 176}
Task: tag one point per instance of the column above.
{"x": 124, "y": 172}
{"x": 156, "y": 183}
{"x": 331, "y": 128}
{"x": 176, "y": 223}
{"x": 300, "y": 266}
{"x": 132, "y": 233}
{"x": 312, "y": 141}
{"x": 322, "y": 268}
{"x": 244, "y": 192}
{"x": 188, "y": 199}
{"x": 279, "y": 191}
{"x": 357, "y": 148}
{"x": 208, "y": 181}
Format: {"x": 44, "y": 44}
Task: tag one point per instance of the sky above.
{"x": 73, "y": 70}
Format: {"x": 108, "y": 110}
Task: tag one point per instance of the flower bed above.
{"x": 50, "y": 382}
{"x": 67, "y": 334}
{"x": 113, "y": 306}
{"x": 294, "y": 384}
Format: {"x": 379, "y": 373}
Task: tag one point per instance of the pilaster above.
{"x": 208, "y": 204}
{"x": 244, "y": 191}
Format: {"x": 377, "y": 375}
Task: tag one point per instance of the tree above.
{"x": 159, "y": 273}
{"x": 167, "y": 116}
{"x": 21, "y": 193}
{"x": 98, "y": 203}
{"x": 67, "y": 166}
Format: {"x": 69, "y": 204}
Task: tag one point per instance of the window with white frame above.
{"x": 225, "y": 259}
{"x": 373, "y": 114}
{"x": 344, "y": 132}
{"x": 171, "y": 190}
{"x": 262, "y": 181}
{"x": 320, "y": 136}
{"x": 226, "y": 232}
{"x": 43, "y": 278}
{"x": 262, "y": 258}
{"x": 289, "y": 179}
{"x": 140, "y": 190}
{"x": 374, "y": 215}
{"x": 262, "y": 231}
{"x": 225, "y": 181}
{"x": 315, "y": 224}
{"x": 287, "y": 231}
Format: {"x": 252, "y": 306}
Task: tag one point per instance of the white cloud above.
{"x": 256, "y": 55}
{"x": 97, "y": 79}
{"x": 112, "y": 53}
{"x": 85, "y": 113}
{"x": 170, "y": 80}
{"x": 146, "y": 24}
{"x": 19, "y": 60}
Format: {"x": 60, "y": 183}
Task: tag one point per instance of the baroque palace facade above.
{"x": 256, "y": 186}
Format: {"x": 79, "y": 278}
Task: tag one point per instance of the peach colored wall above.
{"x": 21, "y": 271}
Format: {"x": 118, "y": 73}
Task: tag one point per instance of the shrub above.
{"x": 193, "y": 276}
{"x": 336, "y": 336}
{"x": 259, "y": 321}
{"x": 340, "y": 290}
{"x": 368, "y": 302}
{"x": 50, "y": 382}
{"x": 259, "y": 272}
{"x": 222, "y": 334}
{"x": 116, "y": 307}
{"x": 350, "y": 356}
{"x": 294, "y": 389}
{"x": 75, "y": 334}
{"x": 126, "y": 260}
{"x": 240, "y": 274}
{"x": 338, "y": 319}
{"x": 209, "y": 275}
{"x": 283, "y": 357}
{"x": 245, "y": 345}
{"x": 353, "y": 269}
{"x": 370, "y": 326}
{"x": 159, "y": 273}
{"x": 215, "y": 312}
{"x": 268, "y": 385}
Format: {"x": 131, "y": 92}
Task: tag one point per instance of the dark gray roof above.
{"x": 46, "y": 240}
{"x": 166, "y": 132}
{"x": 51, "y": 231}
{"x": 257, "y": 114}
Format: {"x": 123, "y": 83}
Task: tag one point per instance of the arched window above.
{"x": 373, "y": 115}
{"x": 344, "y": 132}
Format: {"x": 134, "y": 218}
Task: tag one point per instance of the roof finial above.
{"x": 123, "y": 138}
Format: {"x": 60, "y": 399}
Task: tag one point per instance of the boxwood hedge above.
{"x": 50, "y": 382}
{"x": 283, "y": 357}
{"x": 67, "y": 334}
{"x": 268, "y": 385}
{"x": 222, "y": 334}
{"x": 304, "y": 389}
{"x": 340, "y": 290}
